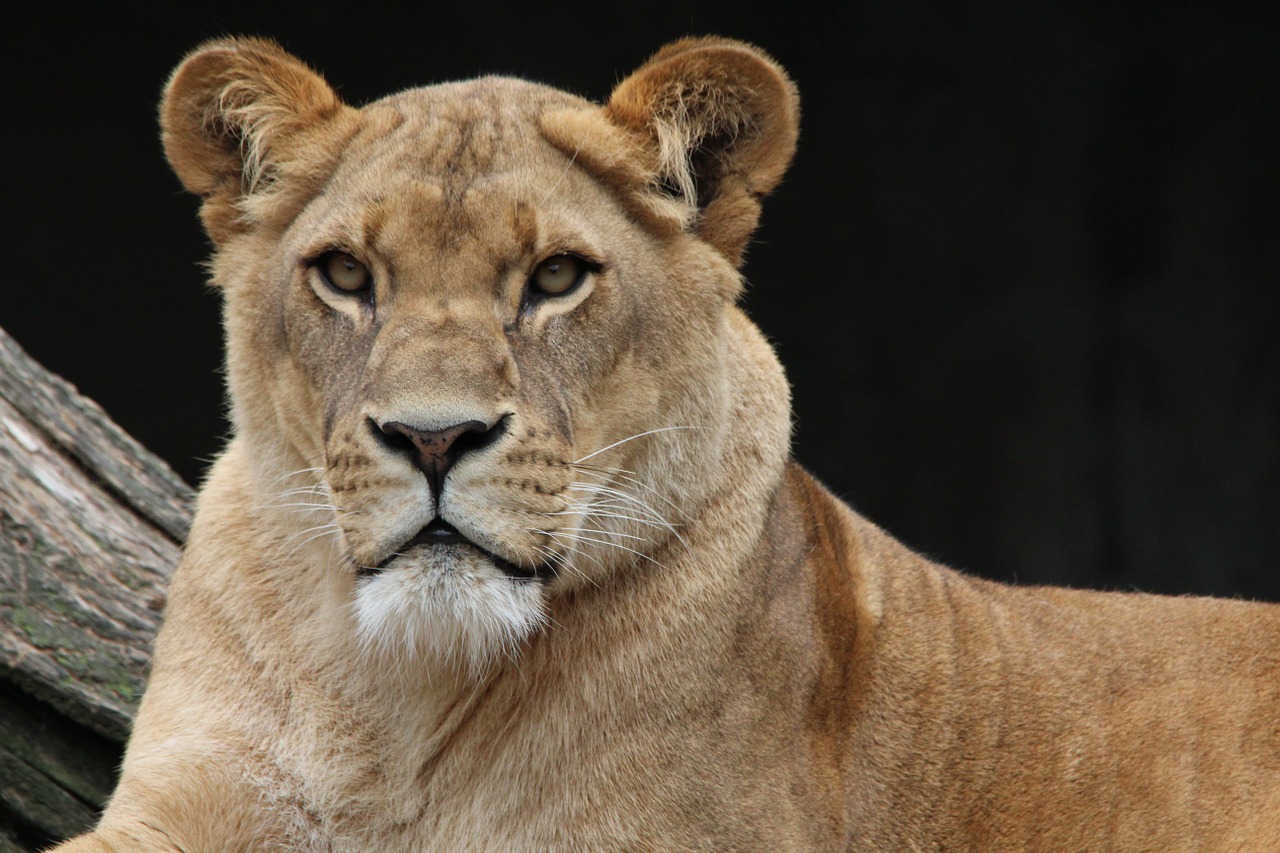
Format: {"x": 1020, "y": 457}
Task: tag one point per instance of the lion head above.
{"x": 482, "y": 341}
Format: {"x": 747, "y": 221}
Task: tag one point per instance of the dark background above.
{"x": 1023, "y": 273}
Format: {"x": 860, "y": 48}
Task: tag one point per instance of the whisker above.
{"x": 605, "y": 503}
{"x": 329, "y": 530}
{"x": 563, "y": 561}
{"x": 296, "y": 473}
{"x": 621, "y": 474}
{"x": 569, "y": 548}
{"x": 629, "y": 499}
{"x": 604, "y": 532}
{"x": 601, "y": 469}
{"x": 294, "y": 505}
{"x": 578, "y": 537}
{"x": 319, "y": 491}
{"x": 595, "y": 512}
{"x": 618, "y": 505}
{"x": 560, "y": 560}
{"x": 631, "y": 438}
{"x": 328, "y": 524}
{"x": 560, "y": 179}
{"x": 620, "y": 512}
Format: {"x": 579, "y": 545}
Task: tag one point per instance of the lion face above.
{"x": 473, "y": 340}
{"x": 467, "y": 332}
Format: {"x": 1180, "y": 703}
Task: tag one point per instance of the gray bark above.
{"x": 91, "y": 525}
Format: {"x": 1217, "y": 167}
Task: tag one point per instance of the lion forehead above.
{"x": 460, "y": 163}
{"x": 459, "y": 132}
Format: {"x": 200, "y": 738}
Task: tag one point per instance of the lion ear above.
{"x": 719, "y": 120}
{"x": 249, "y": 128}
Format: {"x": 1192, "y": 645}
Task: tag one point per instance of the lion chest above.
{"x": 541, "y": 772}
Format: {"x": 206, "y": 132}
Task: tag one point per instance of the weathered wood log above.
{"x": 91, "y": 525}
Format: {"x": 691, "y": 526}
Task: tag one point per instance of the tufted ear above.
{"x": 718, "y": 119}
{"x": 251, "y": 129}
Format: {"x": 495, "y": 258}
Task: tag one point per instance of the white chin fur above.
{"x": 450, "y": 609}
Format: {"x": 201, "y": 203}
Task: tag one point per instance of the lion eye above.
{"x": 343, "y": 272}
{"x": 557, "y": 274}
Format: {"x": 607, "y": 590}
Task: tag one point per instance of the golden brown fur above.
{"x": 719, "y": 655}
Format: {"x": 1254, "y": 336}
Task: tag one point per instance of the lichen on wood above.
{"x": 91, "y": 525}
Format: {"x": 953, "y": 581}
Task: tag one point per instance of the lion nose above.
{"x": 434, "y": 451}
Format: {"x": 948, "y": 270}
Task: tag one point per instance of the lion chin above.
{"x": 441, "y": 600}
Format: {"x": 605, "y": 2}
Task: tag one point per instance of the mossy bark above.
{"x": 91, "y": 525}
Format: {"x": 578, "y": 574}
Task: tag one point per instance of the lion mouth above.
{"x": 441, "y": 534}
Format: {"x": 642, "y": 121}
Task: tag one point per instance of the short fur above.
{"x": 723, "y": 656}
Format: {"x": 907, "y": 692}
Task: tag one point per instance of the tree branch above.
{"x": 91, "y": 525}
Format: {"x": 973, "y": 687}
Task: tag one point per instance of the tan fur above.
{"x": 727, "y": 657}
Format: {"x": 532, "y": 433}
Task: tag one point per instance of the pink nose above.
{"x": 434, "y": 451}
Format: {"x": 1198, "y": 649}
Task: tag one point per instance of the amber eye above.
{"x": 558, "y": 274}
{"x": 343, "y": 272}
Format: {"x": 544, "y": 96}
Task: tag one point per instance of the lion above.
{"x": 507, "y": 551}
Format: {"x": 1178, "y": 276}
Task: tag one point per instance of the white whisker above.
{"x": 631, "y": 438}
{"x": 603, "y": 532}
{"x": 629, "y": 500}
{"x": 579, "y": 537}
{"x": 560, "y": 179}
{"x": 596, "y": 512}
{"x": 561, "y": 560}
{"x": 295, "y": 505}
{"x": 327, "y": 530}
{"x": 296, "y": 473}
{"x": 622, "y": 474}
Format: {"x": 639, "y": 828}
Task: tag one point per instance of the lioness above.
{"x": 507, "y": 552}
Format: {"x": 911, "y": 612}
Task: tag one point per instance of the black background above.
{"x": 1023, "y": 273}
